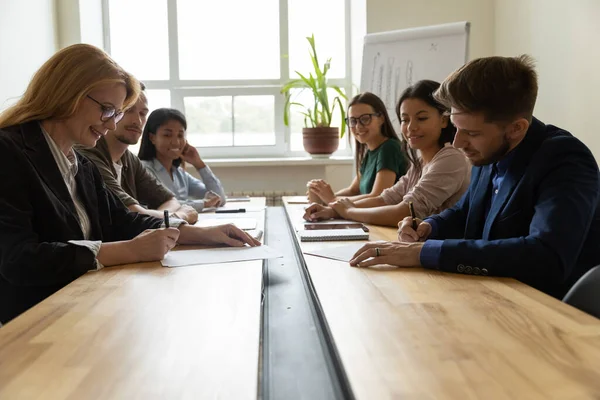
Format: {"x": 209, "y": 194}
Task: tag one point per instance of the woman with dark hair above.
{"x": 380, "y": 161}
{"x": 162, "y": 152}
{"x": 436, "y": 179}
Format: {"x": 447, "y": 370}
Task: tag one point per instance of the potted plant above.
{"x": 318, "y": 136}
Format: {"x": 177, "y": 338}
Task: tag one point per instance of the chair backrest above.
{"x": 585, "y": 293}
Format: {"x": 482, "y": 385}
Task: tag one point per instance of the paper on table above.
{"x": 242, "y": 223}
{"x": 204, "y": 217}
{"x": 298, "y": 202}
{"x": 341, "y": 253}
{"x": 238, "y": 199}
{"x": 331, "y": 221}
{"x": 255, "y": 233}
{"x": 219, "y": 255}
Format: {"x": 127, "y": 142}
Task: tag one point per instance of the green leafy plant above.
{"x": 318, "y": 114}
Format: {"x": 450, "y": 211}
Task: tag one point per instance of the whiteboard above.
{"x": 392, "y": 61}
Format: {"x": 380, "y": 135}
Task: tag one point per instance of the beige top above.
{"x": 443, "y": 181}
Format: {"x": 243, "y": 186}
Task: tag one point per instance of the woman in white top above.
{"x": 435, "y": 181}
{"x": 163, "y": 151}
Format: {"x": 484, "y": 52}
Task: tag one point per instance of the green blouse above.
{"x": 388, "y": 155}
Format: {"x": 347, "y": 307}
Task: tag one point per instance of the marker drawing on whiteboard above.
{"x": 379, "y": 91}
{"x": 375, "y": 60}
{"x": 397, "y": 84}
{"x": 388, "y": 82}
{"x": 409, "y": 73}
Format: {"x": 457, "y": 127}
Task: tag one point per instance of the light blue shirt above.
{"x": 186, "y": 188}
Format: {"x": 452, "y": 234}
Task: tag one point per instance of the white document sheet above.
{"x": 238, "y": 199}
{"x": 298, "y": 201}
{"x": 219, "y": 255}
{"x": 332, "y": 222}
{"x": 341, "y": 253}
{"x": 242, "y": 223}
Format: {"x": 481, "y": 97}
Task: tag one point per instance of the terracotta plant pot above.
{"x": 320, "y": 141}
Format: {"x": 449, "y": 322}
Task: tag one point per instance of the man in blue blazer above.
{"x": 532, "y": 208}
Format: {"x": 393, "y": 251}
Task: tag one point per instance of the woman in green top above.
{"x": 380, "y": 160}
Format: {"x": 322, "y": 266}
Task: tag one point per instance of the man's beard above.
{"x": 496, "y": 155}
{"x": 124, "y": 140}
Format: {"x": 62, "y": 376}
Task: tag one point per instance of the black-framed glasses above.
{"x": 364, "y": 119}
{"x": 108, "y": 112}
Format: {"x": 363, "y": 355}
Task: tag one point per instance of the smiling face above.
{"x": 421, "y": 124}
{"x": 367, "y": 131}
{"x": 85, "y": 127}
{"x": 129, "y": 130}
{"x": 169, "y": 140}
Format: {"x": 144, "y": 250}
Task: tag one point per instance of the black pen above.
{"x": 412, "y": 215}
{"x": 166, "y": 218}
{"x": 230, "y": 211}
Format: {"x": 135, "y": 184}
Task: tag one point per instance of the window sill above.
{"x": 278, "y": 161}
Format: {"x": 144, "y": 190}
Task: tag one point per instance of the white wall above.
{"x": 564, "y": 38}
{"x": 388, "y": 15}
{"x": 67, "y": 22}
{"x": 280, "y": 178}
{"x": 27, "y": 40}
{"x": 79, "y": 21}
{"x": 92, "y": 30}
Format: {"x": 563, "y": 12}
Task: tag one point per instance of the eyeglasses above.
{"x": 364, "y": 119}
{"x": 108, "y": 112}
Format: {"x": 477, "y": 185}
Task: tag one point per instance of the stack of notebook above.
{"x": 333, "y": 231}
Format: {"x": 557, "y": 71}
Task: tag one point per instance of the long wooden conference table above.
{"x": 215, "y": 331}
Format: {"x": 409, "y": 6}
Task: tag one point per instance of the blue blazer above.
{"x": 544, "y": 225}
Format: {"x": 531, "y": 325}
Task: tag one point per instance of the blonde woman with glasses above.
{"x": 57, "y": 219}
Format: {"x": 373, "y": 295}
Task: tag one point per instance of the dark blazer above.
{"x": 544, "y": 225}
{"x": 38, "y": 218}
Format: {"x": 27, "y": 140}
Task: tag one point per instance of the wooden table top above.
{"x": 141, "y": 332}
{"x": 421, "y": 334}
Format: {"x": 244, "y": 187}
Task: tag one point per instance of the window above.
{"x": 223, "y": 63}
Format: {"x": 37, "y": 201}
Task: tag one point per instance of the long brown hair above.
{"x": 424, "y": 90}
{"x": 60, "y": 85}
{"x": 387, "y": 128}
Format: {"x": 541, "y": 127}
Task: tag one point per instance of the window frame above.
{"x": 179, "y": 89}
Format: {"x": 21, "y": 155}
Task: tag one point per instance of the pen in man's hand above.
{"x": 412, "y": 215}
{"x": 166, "y": 218}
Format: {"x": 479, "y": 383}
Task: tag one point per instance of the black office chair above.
{"x": 585, "y": 293}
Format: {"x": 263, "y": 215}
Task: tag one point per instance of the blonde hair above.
{"x": 60, "y": 85}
